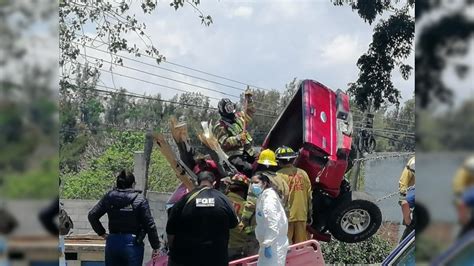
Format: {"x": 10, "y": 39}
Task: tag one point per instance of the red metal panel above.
{"x": 319, "y": 107}
{"x": 306, "y": 253}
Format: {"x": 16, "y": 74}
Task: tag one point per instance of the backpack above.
{"x": 65, "y": 222}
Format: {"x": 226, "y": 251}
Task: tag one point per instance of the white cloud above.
{"x": 243, "y": 12}
{"x": 341, "y": 49}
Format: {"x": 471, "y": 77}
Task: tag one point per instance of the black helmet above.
{"x": 226, "y": 107}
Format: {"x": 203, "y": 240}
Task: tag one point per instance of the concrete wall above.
{"x": 78, "y": 210}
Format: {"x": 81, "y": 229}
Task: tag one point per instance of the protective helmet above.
{"x": 411, "y": 164}
{"x": 226, "y": 107}
{"x": 469, "y": 164}
{"x": 240, "y": 179}
{"x": 267, "y": 157}
{"x": 285, "y": 153}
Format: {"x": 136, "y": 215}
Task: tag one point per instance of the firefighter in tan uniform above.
{"x": 407, "y": 179}
{"x": 464, "y": 177}
{"x": 241, "y": 244}
{"x": 300, "y": 195}
{"x": 232, "y": 135}
{"x": 268, "y": 166}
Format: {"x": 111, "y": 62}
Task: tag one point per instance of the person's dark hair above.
{"x": 238, "y": 188}
{"x": 125, "y": 180}
{"x": 205, "y": 175}
{"x": 264, "y": 178}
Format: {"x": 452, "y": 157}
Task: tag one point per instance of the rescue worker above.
{"x": 198, "y": 226}
{"x": 272, "y": 224}
{"x": 130, "y": 220}
{"x": 407, "y": 206}
{"x": 266, "y": 164}
{"x": 465, "y": 210}
{"x": 300, "y": 195}
{"x": 407, "y": 179}
{"x": 232, "y": 135}
{"x": 240, "y": 244}
{"x": 464, "y": 177}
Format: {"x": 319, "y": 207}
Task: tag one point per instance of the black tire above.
{"x": 355, "y": 206}
{"x": 370, "y": 145}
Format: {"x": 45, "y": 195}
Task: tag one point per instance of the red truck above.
{"x": 318, "y": 123}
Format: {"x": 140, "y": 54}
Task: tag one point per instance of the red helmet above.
{"x": 240, "y": 179}
{"x": 206, "y": 165}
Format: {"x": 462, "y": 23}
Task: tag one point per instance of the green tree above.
{"x": 391, "y": 46}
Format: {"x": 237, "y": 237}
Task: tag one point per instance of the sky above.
{"x": 262, "y": 43}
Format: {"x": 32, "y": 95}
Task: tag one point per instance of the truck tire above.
{"x": 355, "y": 220}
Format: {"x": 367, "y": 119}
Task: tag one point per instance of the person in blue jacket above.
{"x": 130, "y": 220}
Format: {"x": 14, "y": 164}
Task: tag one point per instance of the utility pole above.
{"x": 354, "y": 179}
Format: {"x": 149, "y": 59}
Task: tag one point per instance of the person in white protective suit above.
{"x": 272, "y": 224}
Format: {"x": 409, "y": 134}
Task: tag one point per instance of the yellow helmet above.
{"x": 267, "y": 157}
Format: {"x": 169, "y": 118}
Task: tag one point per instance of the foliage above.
{"x": 391, "y": 45}
{"x": 448, "y": 37}
{"x": 28, "y": 109}
{"x": 451, "y": 130}
{"x": 36, "y": 183}
{"x": 427, "y": 249}
{"x": 112, "y": 22}
{"x": 99, "y": 175}
{"x": 371, "y": 251}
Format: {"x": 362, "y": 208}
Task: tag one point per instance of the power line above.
{"x": 388, "y": 131}
{"x": 133, "y": 95}
{"x": 166, "y": 69}
{"x": 186, "y": 67}
{"x": 168, "y": 78}
{"x": 383, "y": 117}
{"x": 169, "y": 87}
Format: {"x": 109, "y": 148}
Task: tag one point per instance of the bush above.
{"x": 373, "y": 250}
{"x": 427, "y": 249}
{"x": 38, "y": 183}
{"x": 99, "y": 176}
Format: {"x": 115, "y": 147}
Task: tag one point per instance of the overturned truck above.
{"x": 318, "y": 123}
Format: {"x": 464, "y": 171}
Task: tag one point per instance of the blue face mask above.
{"x": 257, "y": 189}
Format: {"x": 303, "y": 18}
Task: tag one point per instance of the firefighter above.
{"x": 240, "y": 244}
{"x": 300, "y": 195}
{"x": 407, "y": 179}
{"x": 464, "y": 177}
{"x": 407, "y": 206}
{"x": 266, "y": 164}
{"x": 198, "y": 226}
{"x": 465, "y": 210}
{"x": 232, "y": 135}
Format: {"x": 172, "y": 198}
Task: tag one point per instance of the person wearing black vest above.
{"x": 130, "y": 220}
{"x": 198, "y": 226}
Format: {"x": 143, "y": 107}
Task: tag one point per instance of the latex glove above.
{"x": 268, "y": 252}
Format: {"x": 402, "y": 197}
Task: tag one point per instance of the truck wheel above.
{"x": 355, "y": 220}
